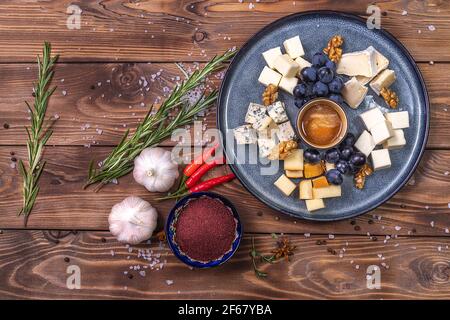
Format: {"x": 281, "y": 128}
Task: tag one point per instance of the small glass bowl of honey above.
{"x": 322, "y": 123}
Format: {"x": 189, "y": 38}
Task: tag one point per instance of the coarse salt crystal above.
{"x": 431, "y": 27}
{"x": 169, "y": 282}
{"x": 398, "y": 228}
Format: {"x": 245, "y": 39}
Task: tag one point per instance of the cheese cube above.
{"x": 365, "y": 143}
{"x": 285, "y": 185}
{"x": 359, "y": 63}
{"x": 245, "y": 134}
{"x": 320, "y": 182}
{"x": 270, "y": 132}
{"x": 294, "y": 173}
{"x": 371, "y": 117}
{"x": 354, "y": 93}
{"x": 277, "y": 112}
{"x": 380, "y": 159}
{"x": 269, "y": 76}
{"x": 305, "y": 189}
{"x": 266, "y": 146}
{"x": 286, "y": 66}
{"x": 398, "y": 120}
{"x": 329, "y": 166}
{"x": 314, "y": 204}
{"x": 381, "y": 132}
{"x": 270, "y": 56}
{"x": 286, "y": 132}
{"x": 302, "y": 64}
{"x": 288, "y": 84}
{"x": 294, "y": 161}
{"x": 294, "y": 47}
{"x": 262, "y": 123}
{"x": 331, "y": 191}
{"x": 384, "y": 80}
{"x": 254, "y": 112}
{"x": 396, "y": 141}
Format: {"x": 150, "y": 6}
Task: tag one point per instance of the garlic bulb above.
{"x": 155, "y": 170}
{"x": 133, "y": 220}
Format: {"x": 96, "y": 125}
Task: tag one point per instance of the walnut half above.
{"x": 283, "y": 149}
{"x": 390, "y": 97}
{"x": 333, "y": 49}
{"x": 360, "y": 176}
{"x": 270, "y": 95}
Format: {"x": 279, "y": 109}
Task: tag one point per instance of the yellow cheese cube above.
{"x": 327, "y": 192}
{"x": 294, "y": 173}
{"x": 294, "y": 161}
{"x": 285, "y": 185}
{"x": 314, "y": 204}
{"x": 305, "y": 189}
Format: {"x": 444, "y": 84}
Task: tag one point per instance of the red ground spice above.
{"x": 205, "y": 229}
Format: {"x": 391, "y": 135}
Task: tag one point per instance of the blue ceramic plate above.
{"x": 170, "y": 230}
{"x": 240, "y": 87}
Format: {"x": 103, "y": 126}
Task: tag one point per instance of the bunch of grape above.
{"x": 319, "y": 80}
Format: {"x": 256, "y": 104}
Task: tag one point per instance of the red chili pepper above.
{"x": 199, "y": 160}
{"x": 197, "y": 175}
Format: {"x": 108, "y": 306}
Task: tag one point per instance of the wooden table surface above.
{"x": 99, "y": 96}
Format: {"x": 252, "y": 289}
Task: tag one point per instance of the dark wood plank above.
{"x": 62, "y": 204}
{"x": 410, "y": 268}
{"x": 170, "y": 30}
{"x": 100, "y": 95}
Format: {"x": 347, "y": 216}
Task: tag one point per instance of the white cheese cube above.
{"x": 294, "y": 47}
{"x": 294, "y": 161}
{"x": 380, "y": 159}
{"x": 286, "y": 66}
{"x": 381, "y": 132}
{"x": 245, "y": 134}
{"x": 285, "y": 131}
{"x": 302, "y": 64}
{"x": 398, "y": 120}
{"x": 371, "y": 117}
{"x": 359, "y": 63}
{"x": 262, "y": 123}
{"x": 384, "y": 80}
{"x": 365, "y": 143}
{"x": 396, "y": 141}
{"x": 254, "y": 112}
{"x": 331, "y": 191}
{"x": 314, "y": 204}
{"x": 285, "y": 185}
{"x": 266, "y": 146}
{"x": 288, "y": 84}
{"x": 270, "y": 56}
{"x": 277, "y": 112}
{"x": 354, "y": 93}
{"x": 269, "y": 76}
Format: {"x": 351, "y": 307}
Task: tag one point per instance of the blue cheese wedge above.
{"x": 359, "y": 63}
{"x": 255, "y": 111}
{"x": 397, "y": 140}
{"x": 286, "y": 66}
{"x": 380, "y": 159}
{"x": 277, "y": 112}
{"x": 365, "y": 143}
{"x": 262, "y": 123}
{"x": 371, "y": 117}
{"x": 270, "y": 132}
{"x": 381, "y": 132}
{"x": 266, "y": 145}
{"x": 270, "y": 56}
{"x": 398, "y": 120}
{"x": 269, "y": 76}
{"x": 288, "y": 84}
{"x": 294, "y": 47}
{"x": 384, "y": 80}
{"x": 354, "y": 93}
{"x": 285, "y": 185}
{"x": 245, "y": 134}
{"x": 286, "y": 132}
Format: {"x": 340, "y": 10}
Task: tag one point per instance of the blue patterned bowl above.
{"x": 170, "y": 230}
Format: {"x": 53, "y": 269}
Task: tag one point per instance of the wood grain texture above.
{"x": 411, "y": 268}
{"x": 108, "y": 96}
{"x": 62, "y": 204}
{"x": 188, "y": 30}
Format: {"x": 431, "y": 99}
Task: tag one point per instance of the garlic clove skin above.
{"x": 133, "y": 220}
{"x": 155, "y": 169}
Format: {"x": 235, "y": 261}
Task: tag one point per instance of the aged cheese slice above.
{"x": 286, "y": 66}
{"x": 381, "y": 132}
{"x": 294, "y": 161}
{"x": 381, "y": 63}
{"x": 270, "y": 56}
{"x": 396, "y": 141}
{"x": 245, "y": 134}
{"x": 371, "y": 117}
{"x": 320, "y": 182}
{"x": 380, "y": 159}
{"x": 254, "y": 112}
{"x": 398, "y": 120}
{"x": 329, "y": 166}
{"x": 269, "y": 76}
{"x": 294, "y": 47}
{"x": 288, "y": 84}
{"x": 302, "y": 64}
{"x": 331, "y": 191}
{"x": 359, "y": 63}
{"x": 305, "y": 189}
{"x": 365, "y": 143}
{"x": 294, "y": 173}
{"x": 383, "y": 80}
{"x": 285, "y": 185}
{"x": 354, "y": 93}
{"x": 314, "y": 204}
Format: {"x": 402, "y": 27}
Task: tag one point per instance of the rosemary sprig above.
{"x": 155, "y": 127}
{"x": 37, "y": 134}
